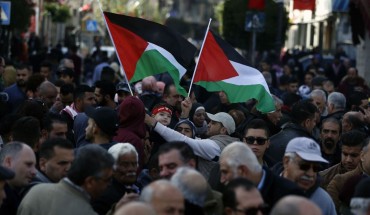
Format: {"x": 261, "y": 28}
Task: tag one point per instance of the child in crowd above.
{"x": 162, "y": 113}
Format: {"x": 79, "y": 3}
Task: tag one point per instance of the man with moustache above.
{"x": 301, "y": 163}
{"x": 104, "y": 94}
{"x": 329, "y": 136}
{"x": 124, "y": 178}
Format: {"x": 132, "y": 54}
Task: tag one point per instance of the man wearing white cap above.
{"x": 220, "y": 128}
{"x": 301, "y": 163}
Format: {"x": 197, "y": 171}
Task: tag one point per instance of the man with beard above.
{"x": 352, "y": 144}
{"x": 301, "y": 163}
{"x": 17, "y": 91}
{"x": 124, "y": 178}
{"x": 101, "y": 126}
{"x": 329, "y": 135}
{"x": 104, "y": 94}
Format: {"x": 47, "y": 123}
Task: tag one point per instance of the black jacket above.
{"x": 276, "y": 187}
{"x": 279, "y": 141}
{"x": 114, "y": 192}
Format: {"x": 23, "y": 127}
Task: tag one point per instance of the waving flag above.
{"x": 147, "y": 48}
{"x": 221, "y": 68}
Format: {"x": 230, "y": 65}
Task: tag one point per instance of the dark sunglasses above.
{"x": 250, "y": 140}
{"x": 306, "y": 166}
{"x": 254, "y": 210}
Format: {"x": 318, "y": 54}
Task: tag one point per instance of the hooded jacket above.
{"x": 131, "y": 127}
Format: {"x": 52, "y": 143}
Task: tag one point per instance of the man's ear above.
{"x": 44, "y": 134}
{"x": 267, "y": 143}
{"x": 224, "y": 131}
{"x": 8, "y": 161}
{"x": 242, "y": 170}
{"x": 42, "y": 164}
{"x": 286, "y": 161}
{"x": 89, "y": 183}
{"x": 192, "y": 163}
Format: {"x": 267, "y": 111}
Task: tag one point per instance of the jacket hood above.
{"x": 132, "y": 115}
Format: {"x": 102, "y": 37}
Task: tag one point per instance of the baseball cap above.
{"x": 105, "y": 118}
{"x": 122, "y": 86}
{"x": 6, "y": 173}
{"x": 306, "y": 148}
{"x": 226, "y": 120}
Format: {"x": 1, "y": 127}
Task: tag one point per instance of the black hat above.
{"x": 6, "y": 173}
{"x": 65, "y": 70}
{"x": 105, "y": 118}
{"x": 122, "y": 86}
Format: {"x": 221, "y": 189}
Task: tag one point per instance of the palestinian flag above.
{"x": 222, "y": 68}
{"x": 147, "y": 48}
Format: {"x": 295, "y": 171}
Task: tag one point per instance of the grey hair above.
{"x": 192, "y": 185}
{"x": 11, "y": 149}
{"x": 318, "y": 92}
{"x": 148, "y": 191}
{"x": 338, "y": 100}
{"x": 237, "y": 154}
{"x": 120, "y": 149}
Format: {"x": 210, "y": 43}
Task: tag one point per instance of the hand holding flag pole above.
{"x": 110, "y": 35}
{"x": 200, "y": 54}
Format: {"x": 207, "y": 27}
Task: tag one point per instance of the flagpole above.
{"x": 110, "y": 35}
{"x": 200, "y": 54}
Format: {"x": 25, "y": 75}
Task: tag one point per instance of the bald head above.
{"x": 48, "y": 93}
{"x": 295, "y": 205}
{"x": 163, "y": 196}
{"x": 135, "y": 208}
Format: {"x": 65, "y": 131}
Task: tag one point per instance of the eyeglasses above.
{"x": 251, "y": 140}
{"x": 304, "y": 166}
{"x": 253, "y": 210}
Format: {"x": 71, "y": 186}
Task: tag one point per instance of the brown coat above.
{"x": 335, "y": 186}
{"x": 328, "y": 174}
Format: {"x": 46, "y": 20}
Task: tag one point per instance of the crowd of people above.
{"x": 111, "y": 147}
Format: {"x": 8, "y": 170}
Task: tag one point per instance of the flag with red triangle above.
{"x": 221, "y": 68}
{"x": 147, "y": 48}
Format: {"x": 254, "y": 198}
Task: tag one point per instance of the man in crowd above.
{"x": 336, "y": 105}
{"x": 19, "y": 158}
{"x": 303, "y": 116}
{"x": 88, "y": 177}
{"x": 301, "y": 164}
{"x": 174, "y": 155}
{"x": 54, "y": 126}
{"x": 238, "y": 160}
{"x": 102, "y": 126}
{"x": 17, "y": 91}
{"x": 163, "y": 197}
{"x": 241, "y": 196}
{"x": 329, "y": 137}
{"x": 352, "y": 144}
{"x": 256, "y": 136}
{"x": 193, "y": 187}
{"x": 174, "y": 99}
{"x": 338, "y": 183}
{"x": 295, "y": 205}
{"x": 104, "y": 94}
{"x": 124, "y": 178}
{"x": 55, "y": 159}
{"x": 220, "y": 128}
